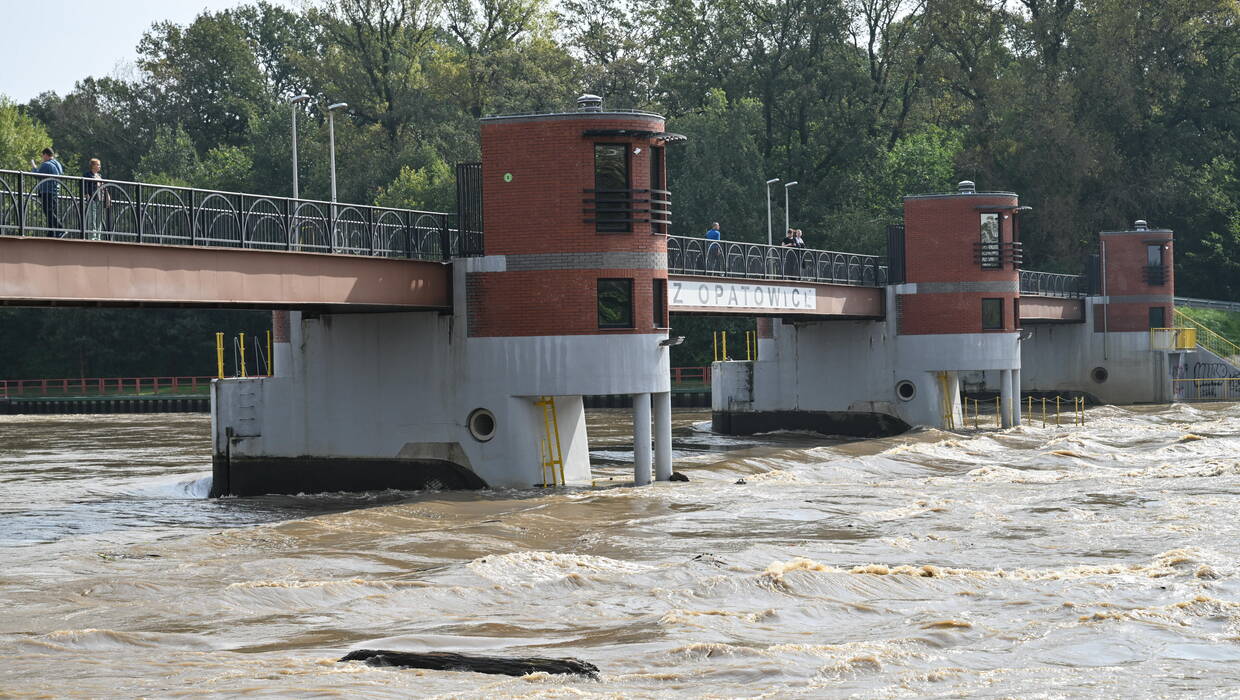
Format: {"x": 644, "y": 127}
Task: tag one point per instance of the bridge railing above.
{"x": 699, "y": 256}
{"x": 1053, "y": 284}
{"x": 136, "y": 212}
{"x": 103, "y": 386}
{"x": 1208, "y": 304}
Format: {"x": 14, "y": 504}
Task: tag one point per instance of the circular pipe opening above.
{"x": 481, "y": 424}
{"x": 1099, "y": 374}
{"x": 906, "y": 390}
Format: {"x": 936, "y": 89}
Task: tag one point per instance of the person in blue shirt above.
{"x": 714, "y": 251}
{"x": 48, "y": 188}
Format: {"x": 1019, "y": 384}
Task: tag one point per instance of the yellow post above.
{"x": 998, "y": 413}
{"x": 714, "y": 344}
{"x": 270, "y": 358}
{"x": 976, "y": 412}
{"x": 1056, "y": 409}
{"x": 1043, "y": 411}
{"x": 219, "y": 354}
{"x": 555, "y": 424}
{"x": 243, "y": 355}
{"x": 1030, "y": 409}
{"x": 725, "y": 345}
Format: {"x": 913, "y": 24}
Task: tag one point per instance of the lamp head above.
{"x": 338, "y": 105}
{"x": 299, "y": 99}
{"x": 772, "y": 181}
{"x": 790, "y": 184}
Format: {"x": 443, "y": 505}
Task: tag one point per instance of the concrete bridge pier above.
{"x": 282, "y": 350}
{"x": 1016, "y": 408}
{"x": 641, "y": 439}
{"x": 1005, "y": 398}
{"x": 663, "y": 436}
{"x": 952, "y": 308}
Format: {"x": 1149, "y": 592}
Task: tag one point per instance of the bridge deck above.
{"x": 1039, "y": 309}
{"x": 67, "y": 272}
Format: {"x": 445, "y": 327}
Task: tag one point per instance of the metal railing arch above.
{"x": 1052, "y": 284}
{"x": 155, "y": 214}
{"x": 700, "y": 256}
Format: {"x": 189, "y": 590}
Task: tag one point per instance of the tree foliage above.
{"x": 20, "y": 137}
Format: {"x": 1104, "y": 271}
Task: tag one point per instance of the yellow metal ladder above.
{"x": 549, "y": 454}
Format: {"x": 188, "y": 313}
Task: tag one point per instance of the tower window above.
{"x": 992, "y": 314}
{"x": 990, "y": 240}
{"x": 660, "y": 303}
{"x": 615, "y": 303}
{"x": 611, "y": 188}
{"x": 1158, "y": 317}
{"x": 1154, "y": 255}
{"x": 657, "y": 200}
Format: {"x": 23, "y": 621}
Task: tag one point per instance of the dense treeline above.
{"x": 1097, "y": 112}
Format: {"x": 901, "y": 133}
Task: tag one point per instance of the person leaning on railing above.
{"x": 790, "y": 259}
{"x": 48, "y": 188}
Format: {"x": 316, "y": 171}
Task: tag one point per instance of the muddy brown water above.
{"x": 1095, "y": 561}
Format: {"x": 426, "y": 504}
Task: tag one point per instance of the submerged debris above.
{"x": 449, "y": 661}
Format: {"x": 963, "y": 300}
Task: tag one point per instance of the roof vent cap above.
{"x": 1141, "y": 225}
{"x": 589, "y": 103}
{"x": 966, "y": 187}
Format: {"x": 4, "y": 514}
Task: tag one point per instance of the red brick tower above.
{"x": 962, "y": 252}
{"x": 962, "y": 287}
{"x": 571, "y": 297}
{"x": 1139, "y": 280}
{"x": 571, "y": 202}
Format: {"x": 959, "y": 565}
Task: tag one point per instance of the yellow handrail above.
{"x": 242, "y": 346}
{"x": 219, "y": 353}
{"x": 1208, "y": 338}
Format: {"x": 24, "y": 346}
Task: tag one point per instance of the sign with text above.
{"x": 698, "y": 294}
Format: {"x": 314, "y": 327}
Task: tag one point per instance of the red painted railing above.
{"x": 691, "y": 375}
{"x": 102, "y": 386}
{"x": 133, "y": 386}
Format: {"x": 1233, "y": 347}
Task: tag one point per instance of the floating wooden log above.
{"x": 448, "y": 661}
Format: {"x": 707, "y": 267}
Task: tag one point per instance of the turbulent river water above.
{"x": 1096, "y": 561}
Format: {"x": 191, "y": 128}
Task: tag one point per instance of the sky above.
{"x": 84, "y": 38}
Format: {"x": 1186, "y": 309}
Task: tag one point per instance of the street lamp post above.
{"x": 786, "y": 186}
{"x": 769, "y": 240}
{"x": 331, "y": 137}
{"x": 294, "y": 102}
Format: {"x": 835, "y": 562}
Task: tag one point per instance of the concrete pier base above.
{"x": 663, "y": 436}
{"x": 1005, "y": 397}
{"x": 641, "y": 439}
{"x": 258, "y": 476}
{"x": 1016, "y": 407}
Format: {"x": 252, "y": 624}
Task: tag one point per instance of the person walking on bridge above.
{"x": 48, "y": 188}
{"x": 714, "y": 250}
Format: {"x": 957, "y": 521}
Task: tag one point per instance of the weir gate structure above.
{"x": 410, "y": 352}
